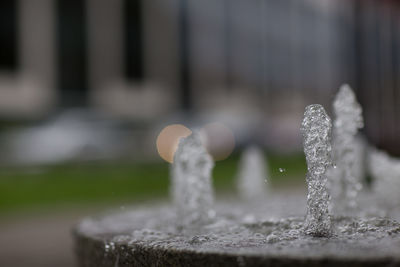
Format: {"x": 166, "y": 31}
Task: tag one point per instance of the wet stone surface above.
{"x": 149, "y": 236}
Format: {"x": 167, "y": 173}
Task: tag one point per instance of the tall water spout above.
{"x": 192, "y": 190}
{"x": 253, "y": 174}
{"x": 344, "y": 183}
{"x": 316, "y": 129}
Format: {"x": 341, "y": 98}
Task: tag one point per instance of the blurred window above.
{"x": 8, "y": 35}
{"x": 133, "y": 43}
{"x": 72, "y": 52}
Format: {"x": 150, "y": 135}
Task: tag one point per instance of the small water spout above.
{"x": 344, "y": 183}
{"x": 385, "y": 170}
{"x": 253, "y": 174}
{"x": 192, "y": 190}
{"x": 316, "y": 129}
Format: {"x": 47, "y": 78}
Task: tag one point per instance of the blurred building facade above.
{"x": 141, "y": 60}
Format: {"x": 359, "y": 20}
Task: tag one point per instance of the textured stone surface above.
{"x": 240, "y": 236}
{"x": 91, "y": 253}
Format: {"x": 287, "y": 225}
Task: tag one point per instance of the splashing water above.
{"x": 192, "y": 190}
{"x": 344, "y": 183}
{"x": 248, "y": 235}
{"x": 253, "y": 174}
{"x": 316, "y": 129}
{"x": 360, "y": 159}
{"x": 386, "y": 173}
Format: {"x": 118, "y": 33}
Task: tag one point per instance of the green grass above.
{"x": 22, "y": 188}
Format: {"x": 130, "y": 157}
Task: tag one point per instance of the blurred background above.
{"x": 86, "y": 86}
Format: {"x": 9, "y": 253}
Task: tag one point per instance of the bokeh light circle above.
{"x": 219, "y": 140}
{"x": 167, "y": 140}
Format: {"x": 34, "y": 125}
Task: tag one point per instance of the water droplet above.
{"x": 212, "y": 214}
{"x": 272, "y": 238}
{"x": 282, "y": 169}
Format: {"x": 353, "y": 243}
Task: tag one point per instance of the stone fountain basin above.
{"x": 267, "y": 232}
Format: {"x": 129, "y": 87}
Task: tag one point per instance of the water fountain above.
{"x": 252, "y": 179}
{"x": 196, "y": 231}
{"x": 316, "y": 129}
{"x": 344, "y": 183}
{"x": 192, "y": 191}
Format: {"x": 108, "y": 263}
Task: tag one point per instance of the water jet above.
{"x": 275, "y": 230}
